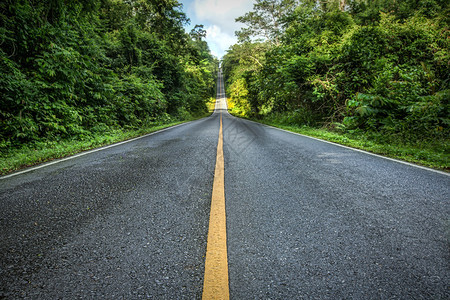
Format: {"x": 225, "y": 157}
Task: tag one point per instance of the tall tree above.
{"x": 266, "y": 20}
{"x": 72, "y": 68}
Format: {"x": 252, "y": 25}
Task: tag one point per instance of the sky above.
{"x": 218, "y": 17}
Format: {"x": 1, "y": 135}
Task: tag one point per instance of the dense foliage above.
{"x": 70, "y": 69}
{"x": 377, "y": 66}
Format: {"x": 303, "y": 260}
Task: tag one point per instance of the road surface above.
{"x": 305, "y": 219}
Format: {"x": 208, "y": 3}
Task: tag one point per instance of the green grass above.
{"x": 27, "y": 156}
{"x": 433, "y": 154}
{"x": 211, "y": 104}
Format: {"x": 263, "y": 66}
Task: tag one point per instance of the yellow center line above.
{"x": 215, "y": 285}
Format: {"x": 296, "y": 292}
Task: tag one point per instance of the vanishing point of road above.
{"x": 293, "y": 218}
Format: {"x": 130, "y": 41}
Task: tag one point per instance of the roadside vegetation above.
{"x": 79, "y": 74}
{"x": 424, "y": 153}
{"x": 369, "y": 74}
{"x": 44, "y": 151}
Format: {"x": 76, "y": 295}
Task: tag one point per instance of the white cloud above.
{"x": 218, "y": 40}
{"x": 218, "y": 17}
{"x": 222, "y": 13}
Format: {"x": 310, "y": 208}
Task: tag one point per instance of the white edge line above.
{"x": 89, "y": 152}
{"x": 354, "y": 149}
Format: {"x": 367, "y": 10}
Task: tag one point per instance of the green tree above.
{"x": 377, "y": 66}
{"x": 266, "y": 20}
{"x": 70, "y": 69}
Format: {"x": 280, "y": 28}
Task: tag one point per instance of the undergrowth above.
{"x": 29, "y": 155}
{"x": 426, "y": 152}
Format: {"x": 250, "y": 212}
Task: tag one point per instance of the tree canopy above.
{"x": 380, "y": 66}
{"x": 69, "y": 68}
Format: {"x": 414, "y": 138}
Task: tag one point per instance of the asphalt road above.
{"x": 305, "y": 220}
{"x": 310, "y": 220}
{"x": 127, "y": 222}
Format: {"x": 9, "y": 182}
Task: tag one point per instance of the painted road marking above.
{"x": 351, "y": 148}
{"x": 215, "y": 285}
{"x": 56, "y": 161}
